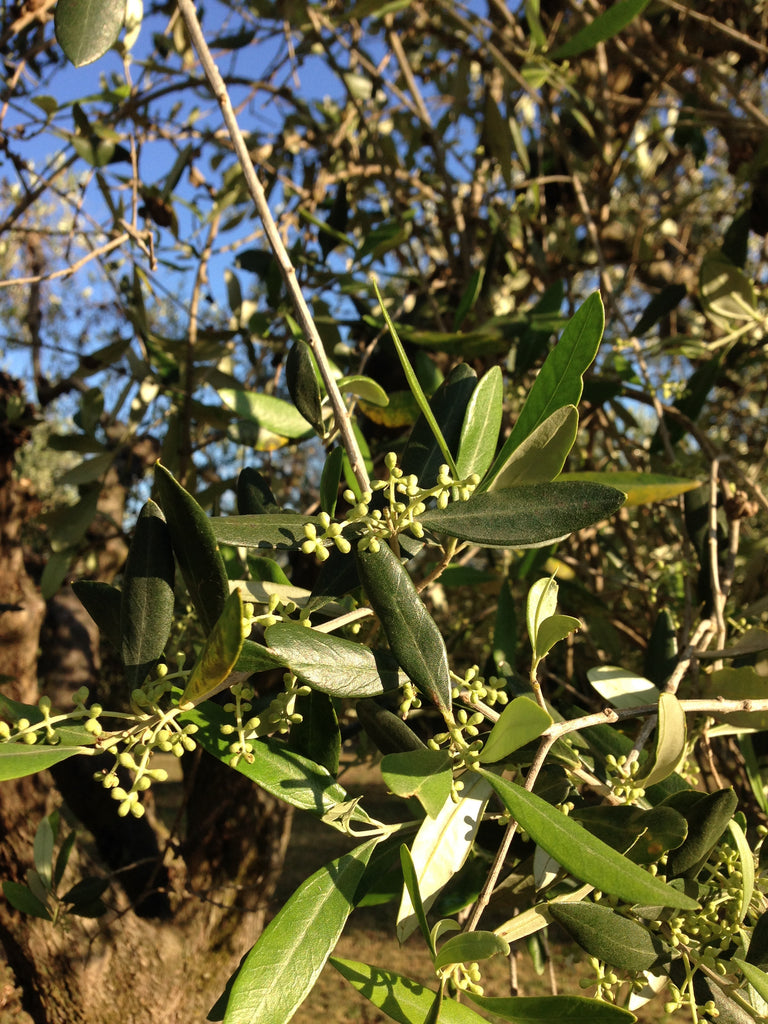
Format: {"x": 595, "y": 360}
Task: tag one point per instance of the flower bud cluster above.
{"x": 475, "y": 688}
{"x": 620, "y": 776}
{"x": 465, "y": 977}
{"x": 278, "y": 717}
{"x": 318, "y": 544}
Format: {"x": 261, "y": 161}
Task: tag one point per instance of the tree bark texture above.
{"x": 189, "y": 884}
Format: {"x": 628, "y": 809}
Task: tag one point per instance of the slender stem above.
{"x": 257, "y": 193}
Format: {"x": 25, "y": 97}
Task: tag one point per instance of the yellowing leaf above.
{"x": 640, "y": 488}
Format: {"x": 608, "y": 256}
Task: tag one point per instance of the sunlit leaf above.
{"x": 624, "y": 689}
{"x": 520, "y": 722}
{"x": 612, "y": 938}
{"x": 220, "y": 653}
{"x": 671, "y": 736}
{"x": 640, "y": 488}
{"x": 283, "y": 965}
{"x": 425, "y": 774}
{"x": 482, "y": 422}
{"x": 580, "y": 853}
{"x": 470, "y": 947}
{"x": 519, "y": 517}
{"x": 266, "y": 412}
{"x": 331, "y": 664}
{"x": 540, "y": 457}
{"x": 441, "y": 846}
{"x": 549, "y": 1009}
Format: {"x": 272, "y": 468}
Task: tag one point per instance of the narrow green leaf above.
{"x": 102, "y": 601}
{"x": 468, "y": 297}
{"x": 640, "y": 488}
{"x": 747, "y": 862}
{"x": 671, "y": 736}
{"x": 520, "y": 722}
{"x": 43, "y": 851}
{"x": 18, "y": 760}
{"x": 283, "y": 965}
{"x": 442, "y": 845}
{"x": 668, "y": 298}
{"x": 23, "y": 899}
{"x": 423, "y": 455}
{"x": 739, "y": 684}
{"x": 280, "y": 530}
{"x": 330, "y": 479}
{"x": 707, "y": 821}
{"x": 85, "y": 29}
{"x": 469, "y": 947}
{"x": 402, "y": 999}
{"x": 146, "y": 612}
{"x": 559, "y": 381}
{"x": 326, "y": 662}
{"x": 757, "y": 979}
{"x": 220, "y": 653}
{"x": 520, "y": 517}
{"x": 266, "y": 412}
{"x": 643, "y": 835}
{"x": 548, "y": 1009}
{"x": 317, "y": 736}
{"x": 254, "y": 495}
{"x": 414, "y": 637}
{"x": 256, "y": 658}
{"x": 303, "y": 385}
{"x": 751, "y": 641}
{"x": 604, "y": 934}
{"x": 482, "y": 422}
{"x": 415, "y": 386}
{"x": 604, "y": 26}
{"x": 425, "y": 774}
{"x": 389, "y": 732}
{"x": 278, "y": 770}
{"x": 411, "y": 880}
{"x": 757, "y": 951}
{"x": 541, "y": 456}
{"x": 581, "y": 854}
{"x": 195, "y": 547}
{"x": 63, "y": 858}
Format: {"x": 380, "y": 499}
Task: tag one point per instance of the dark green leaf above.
{"x": 644, "y": 835}
{"x": 86, "y": 890}
{"x": 85, "y": 29}
{"x": 195, "y": 547}
{"x": 604, "y": 26}
{"x": 303, "y": 386}
{"x": 521, "y": 517}
{"x": 220, "y": 653}
{"x": 707, "y": 821}
{"x": 423, "y": 455}
{"x": 551, "y": 1009}
{"x": 326, "y": 662}
{"x": 580, "y": 853}
{"x": 757, "y": 953}
{"x": 283, "y": 965}
{"x": 317, "y": 736}
{"x": 102, "y": 601}
{"x": 23, "y": 899}
{"x": 256, "y": 658}
{"x": 146, "y": 613}
{"x": 414, "y": 637}
{"x": 668, "y": 298}
{"x": 330, "y": 479}
{"x": 278, "y": 770}
{"x": 254, "y": 495}
{"x": 389, "y": 732}
{"x": 559, "y": 381}
{"x": 63, "y": 858}
{"x": 604, "y": 934}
